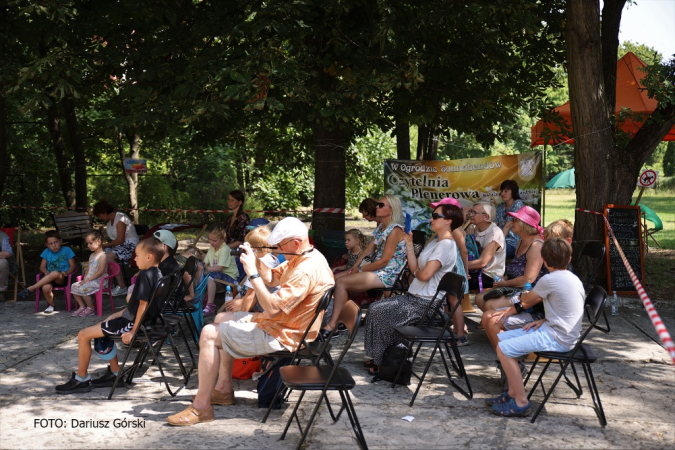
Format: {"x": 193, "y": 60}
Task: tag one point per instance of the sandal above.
{"x": 503, "y": 398}
{"x": 88, "y": 312}
{"x": 370, "y": 363}
{"x": 190, "y": 416}
{"x": 77, "y": 311}
{"x": 511, "y": 409}
{"x": 221, "y": 398}
{"x": 209, "y": 309}
{"x": 374, "y": 370}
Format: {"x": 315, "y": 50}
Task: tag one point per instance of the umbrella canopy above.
{"x": 630, "y": 93}
{"x": 564, "y": 179}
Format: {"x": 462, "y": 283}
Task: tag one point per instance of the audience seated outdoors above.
{"x": 491, "y": 239}
{"x": 389, "y": 249}
{"x": 58, "y": 261}
{"x": 7, "y": 263}
{"x": 302, "y": 280}
{"x": 510, "y": 195}
{"x": 563, "y": 296}
{"x": 236, "y": 228}
{"x": 368, "y": 209}
{"x": 122, "y": 233}
{"x": 90, "y": 284}
{"x": 438, "y": 257}
{"x": 527, "y": 266}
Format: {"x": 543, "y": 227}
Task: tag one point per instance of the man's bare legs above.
{"x": 355, "y": 283}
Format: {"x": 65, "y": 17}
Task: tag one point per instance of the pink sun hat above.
{"x": 529, "y": 216}
{"x": 447, "y": 201}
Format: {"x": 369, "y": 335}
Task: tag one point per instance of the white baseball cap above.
{"x": 290, "y": 227}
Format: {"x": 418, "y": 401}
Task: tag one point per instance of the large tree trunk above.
{"x": 329, "y": 177}
{"x": 61, "y": 155}
{"x": 402, "y": 128}
{"x": 427, "y": 143}
{"x": 78, "y": 152}
{"x": 4, "y": 155}
{"x": 134, "y": 141}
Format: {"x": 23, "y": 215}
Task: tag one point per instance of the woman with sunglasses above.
{"x": 389, "y": 259}
{"x": 439, "y": 257}
{"x": 491, "y": 238}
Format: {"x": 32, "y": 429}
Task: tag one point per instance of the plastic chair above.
{"x": 112, "y": 269}
{"x": 65, "y": 289}
{"x": 581, "y": 353}
{"x": 652, "y": 217}
{"x": 258, "y": 223}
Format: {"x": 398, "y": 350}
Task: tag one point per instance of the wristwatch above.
{"x": 254, "y": 276}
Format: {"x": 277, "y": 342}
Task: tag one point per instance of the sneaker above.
{"x": 118, "y": 291}
{"x": 73, "y": 386}
{"x": 77, "y": 311}
{"x": 209, "y": 310}
{"x": 88, "y": 312}
{"x": 106, "y": 380}
{"x": 462, "y": 341}
{"x": 49, "y": 309}
{"x": 25, "y": 293}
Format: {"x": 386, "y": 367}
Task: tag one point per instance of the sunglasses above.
{"x": 437, "y": 216}
{"x": 381, "y": 205}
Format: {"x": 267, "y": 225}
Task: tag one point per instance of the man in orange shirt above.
{"x": 302, "y": 280}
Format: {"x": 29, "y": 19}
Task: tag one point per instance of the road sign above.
{"x": 648, "y": 178}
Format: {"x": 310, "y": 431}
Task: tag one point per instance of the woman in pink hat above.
{"x": 527, "y": 266}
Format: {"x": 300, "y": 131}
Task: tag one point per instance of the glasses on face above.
{"x": 381, "y": 205}
{"x": 279, "y": 245}
{"x": 473, "y": 213}
{"x": 436, "y": 216}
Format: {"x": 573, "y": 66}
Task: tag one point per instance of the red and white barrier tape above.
{"x": 649, "y": 307}
{"x": 283, "y": 211}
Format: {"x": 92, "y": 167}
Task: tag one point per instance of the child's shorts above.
{"x": 515, "y": 343}
{"x": 222, "y": 276}
{"x": 117, "y": 326}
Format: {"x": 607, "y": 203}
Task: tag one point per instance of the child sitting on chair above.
{"x": 149, "y": 253}
{"x": 563, "y": 296}
{"x": 57, "y": 263}
{"x": 91, "y": 283}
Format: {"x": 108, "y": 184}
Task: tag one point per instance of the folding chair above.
{"x": 581, "y": 353}
{"x": 593, "y": 255}
{"x": 18, "y": 259}
{"x": 451, "y": 284}
{"x": 314, "y": 350}
{"x": 150, "y": 336}
{"x": 325, "y": 378}
{"x": 177, "y": 304}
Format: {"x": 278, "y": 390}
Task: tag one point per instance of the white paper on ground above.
{"x": 408, "y": 418}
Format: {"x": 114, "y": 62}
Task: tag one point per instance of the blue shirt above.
{"x": 58, "y": 261}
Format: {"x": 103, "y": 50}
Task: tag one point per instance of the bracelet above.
{"x": 519, "y": 307}
{"x": 254, "y": 276}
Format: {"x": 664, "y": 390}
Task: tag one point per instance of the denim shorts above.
{"x": 515, "y": 343}
{"x": 222, "y": 276}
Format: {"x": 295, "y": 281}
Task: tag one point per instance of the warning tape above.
{"x": 649, "y": 307}
{"x": 283, "y": 211}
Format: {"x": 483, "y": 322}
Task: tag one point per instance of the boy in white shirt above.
{"x": 563, "y": 296}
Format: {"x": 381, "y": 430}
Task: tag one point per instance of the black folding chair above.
{"x": 451, "y": 284}
{"x": 150, "y": 336}
{"x": 326, "y": 377}
{"x": 177, "y": 304}
{"x": 314, "y": 350}
{"x": 581, "y": 353}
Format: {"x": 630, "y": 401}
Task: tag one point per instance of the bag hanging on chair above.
{"x": 244, "y": 368}
{"x": 393, "y": 358}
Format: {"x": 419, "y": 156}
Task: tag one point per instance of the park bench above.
{"x": 73, "y": 226}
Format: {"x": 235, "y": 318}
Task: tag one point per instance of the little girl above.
{"x": 355, "y": 241}
{"x": 218, "y": 264}
{"x": 91, "y": 283}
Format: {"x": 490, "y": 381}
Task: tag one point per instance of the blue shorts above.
{"x": 222, "y": 276}
{"x": 515, "y": 343}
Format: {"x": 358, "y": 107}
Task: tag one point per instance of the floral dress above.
{"x": 501, "y": 218}
{"x": 90, "y": 287}
{"x": 388, "y": 273}
{"x": 236, "y": 232}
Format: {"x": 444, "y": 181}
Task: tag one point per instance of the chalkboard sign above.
{"x": 626, "y": 225}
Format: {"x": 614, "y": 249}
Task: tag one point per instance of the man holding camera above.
{"x": 302, "y": 280}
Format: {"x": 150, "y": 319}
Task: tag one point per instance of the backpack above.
{"x": 394, "y": 356}
{"x": 269, "y": 383}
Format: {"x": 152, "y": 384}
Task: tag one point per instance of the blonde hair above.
{"x": 526, "y": 227}
{"x": 489, "y": 209}
{"x": 257, "y": 237}
{"x": 561, "y": 228}
{"x": 218, "y": 232}
{"x": 397, "y": 215}
{"x": 360, "y": 237}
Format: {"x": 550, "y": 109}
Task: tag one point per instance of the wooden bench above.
{"x": 73, "y": 226}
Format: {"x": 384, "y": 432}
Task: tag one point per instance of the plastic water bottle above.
{"x": 527, "y": 287}
{"x": 615, "y": 305}
{"x": 228, "y": 294}
{"x": 496, "y": 278}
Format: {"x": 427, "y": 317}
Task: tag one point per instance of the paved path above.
{"x": 635, "y": 378}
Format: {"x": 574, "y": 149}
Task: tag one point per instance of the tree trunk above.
{"x": 4, "y": 155}
{"x": 427, "y": 143}
{"x": 329, "y": 177}
{"x": 61, "y": 155}
{"x": 78, "y": 153}
{"x": 402, "y": 133}
{"x": 132, "y": 178}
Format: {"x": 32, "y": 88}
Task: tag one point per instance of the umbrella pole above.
{"x": 543, "y": 190}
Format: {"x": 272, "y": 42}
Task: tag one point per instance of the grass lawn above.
{"x": 659, "y": 263}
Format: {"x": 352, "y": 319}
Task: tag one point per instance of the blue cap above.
{"x": 105, "y": 347}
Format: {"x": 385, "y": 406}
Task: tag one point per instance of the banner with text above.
{"x": 419, "y": 183}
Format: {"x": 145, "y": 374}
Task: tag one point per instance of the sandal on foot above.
{"x": 221, "y": 398}
{"x": 374, "y": 370}
{"x": 191, "y": 416}
{"x": 209, "y": 310}
{"x": 511, "y": 409}
{"x": 88, "y": 312}
{"x": 503, "y": 398}
{"x": 77, "y": 311}
{"x": 370, "y": 363}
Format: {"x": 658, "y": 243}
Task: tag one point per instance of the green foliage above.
{"x": 365, "y": 166}
{"x": 669, "y": 160}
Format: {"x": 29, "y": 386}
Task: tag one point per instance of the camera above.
{"x": 237, "y": 252}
